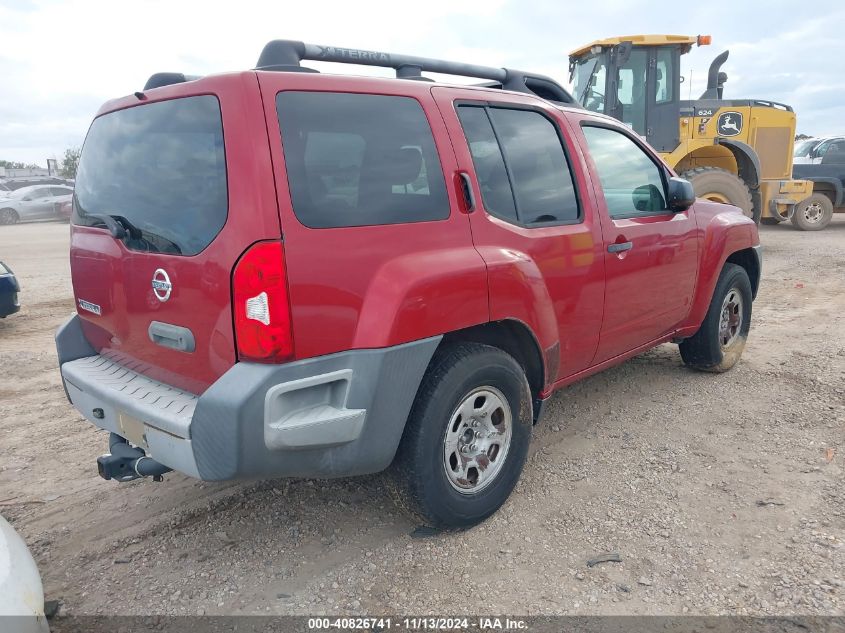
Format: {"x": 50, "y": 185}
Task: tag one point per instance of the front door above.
{"x": 535, "y": 224}
{"x": 651, "y": 253}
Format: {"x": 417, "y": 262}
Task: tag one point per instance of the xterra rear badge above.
{"x": 161, "y": 285}
{"x": 90, "y": 307}
{"x": 729, "y": 123}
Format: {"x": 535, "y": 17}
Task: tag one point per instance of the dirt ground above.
{"x": 722, "y": 494}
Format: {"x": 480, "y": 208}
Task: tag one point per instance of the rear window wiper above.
{"x": 122, "y": 229}
{"x": 117, "y": 229}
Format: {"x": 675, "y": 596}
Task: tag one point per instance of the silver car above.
{"x": 37, "y": 202}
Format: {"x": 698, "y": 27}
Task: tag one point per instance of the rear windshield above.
{"x": 359, "y": 159}
{"x": 160, "y": 170}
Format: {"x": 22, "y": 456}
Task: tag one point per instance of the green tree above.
{"x": 70, "y": 162}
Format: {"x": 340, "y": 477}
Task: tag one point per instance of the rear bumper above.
{"x": 331, "y": 416}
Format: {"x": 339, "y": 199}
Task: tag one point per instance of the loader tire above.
{"x": 720, "y": 185}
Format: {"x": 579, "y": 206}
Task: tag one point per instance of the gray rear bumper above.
{"x": 330, "y": 416}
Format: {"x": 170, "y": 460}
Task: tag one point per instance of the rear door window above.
{"x": 162, "y": 167}
{"x": 520, "y": 164}
{"x": 360, "y": 159}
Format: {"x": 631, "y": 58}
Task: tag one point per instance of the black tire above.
{"x": 715, "y": 183}
{"x": 705, "y": 349}
{"x": 813, "y": 213}
{"x": 769, "y": 221}
{"x": 455, "y": 373}
{"x": 9, "y": 216}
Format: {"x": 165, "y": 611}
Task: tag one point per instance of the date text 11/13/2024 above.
{"x": 418, "y": 624}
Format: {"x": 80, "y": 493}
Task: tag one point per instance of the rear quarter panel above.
{"x": 375, "y": 286}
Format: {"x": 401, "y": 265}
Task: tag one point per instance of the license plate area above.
{"x": 132, "y": 429}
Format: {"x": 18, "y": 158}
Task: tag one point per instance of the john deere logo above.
{"x": 729, "y": 123}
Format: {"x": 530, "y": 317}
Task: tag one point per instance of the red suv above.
{"x": 285, "y": 273}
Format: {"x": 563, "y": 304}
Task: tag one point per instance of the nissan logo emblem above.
{"x": 161, "y": 285}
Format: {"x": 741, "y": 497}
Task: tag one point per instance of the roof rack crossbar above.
{"x": 287, "y": 55}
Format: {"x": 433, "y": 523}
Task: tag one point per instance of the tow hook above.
{"x": 125, "y": 462}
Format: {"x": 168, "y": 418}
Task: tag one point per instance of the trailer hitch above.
{"x": 125, "y": 462}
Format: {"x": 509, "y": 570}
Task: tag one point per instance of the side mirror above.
{"x": 681, "y": 194}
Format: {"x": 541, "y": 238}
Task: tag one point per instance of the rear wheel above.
{"x": 813, "y": 213}
{"x": 719, "y": 342}
{"x": 769, "y": 221}
{"x": 8, "y": 216}
{"x": 720, "y": 185}
{"x": 467, "y": 436}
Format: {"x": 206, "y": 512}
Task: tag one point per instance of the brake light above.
{"x": 260, "y": 303}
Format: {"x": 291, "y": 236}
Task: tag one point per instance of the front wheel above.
{"x": 720, "y": 340}
{"x": 8, "y": 216}
{"x": 467, "y": 436}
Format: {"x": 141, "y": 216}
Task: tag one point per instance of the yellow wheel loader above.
{"x": 736, "y": 151}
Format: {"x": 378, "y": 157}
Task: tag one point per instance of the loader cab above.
{"x": 636, "y": 83}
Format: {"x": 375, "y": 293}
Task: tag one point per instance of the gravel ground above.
{"x": 722, "y": 494}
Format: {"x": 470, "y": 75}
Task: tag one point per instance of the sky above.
{"x": 61, "y": 59}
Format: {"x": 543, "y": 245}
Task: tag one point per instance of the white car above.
{"x": 21, "y": 593}
{"x": 811, "y": 151}
{"x": 37, "y": 202}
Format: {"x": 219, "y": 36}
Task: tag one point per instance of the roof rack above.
{"x": 286, "y": 55}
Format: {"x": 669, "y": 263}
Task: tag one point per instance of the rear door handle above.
{"x": 465, "y": 186}
{"x": 620, "y": 247}
{"x": 172, "y": 336}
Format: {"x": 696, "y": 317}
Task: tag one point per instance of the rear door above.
{"x": 187, "y": 171}
{"x": 650, "y": 253}
{"x": 535, "y": 226}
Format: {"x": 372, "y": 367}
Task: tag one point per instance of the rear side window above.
{"x": 162, "y": 167}
{"x": 360, "y": 160}
{"x": 520, "y": 164}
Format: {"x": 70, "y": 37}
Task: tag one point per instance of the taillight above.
{"x": 260, "y": 303}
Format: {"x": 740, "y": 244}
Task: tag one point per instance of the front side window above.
{"x": 360, "y": 160}
{"x": 520, "y": 164}
{"x": 632, "y": 183}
